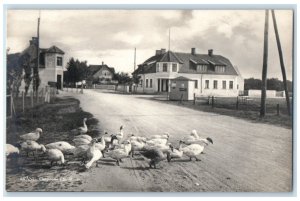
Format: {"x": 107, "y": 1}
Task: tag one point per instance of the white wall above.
{"x": 257, "y": 93}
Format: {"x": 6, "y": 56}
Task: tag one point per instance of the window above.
{"x": 59, "y": 61}
{"x": 206, "y": 84}
{"x": 215, "y": 84}
{"x": 165, "y": 67}
{"x": 196, "y": 84}
{"x": 202, "y": 68}
{"x": 141, "y": 82}
{"x": 220, "y": 69}
{"x": 146, "y": 83}
{"x": 150, "y": 83}
{"x": 224, "y": 84}
{"x": 174, "y": 67}
{"x": 230, "y": 84}
{"x": 157, "y": 67}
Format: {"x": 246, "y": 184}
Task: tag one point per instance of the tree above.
{"x": 76, "y": 71}
{"x": 123, "y": 78}
{"x": 272, "y": 84}
{"x": 252, "y": 83}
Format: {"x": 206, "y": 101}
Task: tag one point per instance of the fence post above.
{"x": 181, "y": 99}
{"x": 277, "y": 110}
{"x": 237, "y": 102}
{"x": 194, "y": 98}
{"x": 37, "y": 96}
{"x": 23, "y": 101}
{"x": 11, "y": 105}
{"x": 31, "y": 94}
{"x": 213, "y": 101}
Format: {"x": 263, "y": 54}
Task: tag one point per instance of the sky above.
{"x": 110, "y": 36}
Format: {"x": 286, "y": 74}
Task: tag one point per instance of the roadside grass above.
{"x": 56, "y": 119}
{"x": 250, "y": 111}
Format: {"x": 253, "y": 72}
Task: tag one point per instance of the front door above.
{"x": 58, "y": 81}
{"x": 158, "y": 85}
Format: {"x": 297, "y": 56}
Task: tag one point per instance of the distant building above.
{"x": 101, "y": 73}
{"x": 51, "y": 62}
{"x": 211, "y": 74}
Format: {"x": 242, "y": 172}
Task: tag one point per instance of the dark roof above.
{"x": 95, "y": 68}
{"x": 54, "y": 49}
{"x": 189, "y": 62}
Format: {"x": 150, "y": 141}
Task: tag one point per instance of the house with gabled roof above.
{"x": 212, "y": 74}
{"x": 101, "y": 73}
{"x": 51, "y": 63}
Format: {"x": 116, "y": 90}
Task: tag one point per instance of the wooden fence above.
{"x": 246, "y": 103}
{"x": 21, "y": 103}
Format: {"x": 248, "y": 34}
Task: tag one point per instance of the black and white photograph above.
{"x": 149, "y": 100}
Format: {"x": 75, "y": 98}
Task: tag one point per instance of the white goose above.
{"x": 166, "y": 136}
{"x": 194, "y": 138}
{"x": 93, "y": 154}
{"x": 33, "y": 136}
{"x": 174, "y": 153}
{"x": 137, "y": 138}
{"x": 156, "y": 141}
{"x": 11, "y": 150}
{"x": 120, "y": 134}
{"x": 87, "y": 137}
{"x": 120, "y": 153}
{"x": 192, "y": 151}
{"x": 80, "y": 152}
{"x": 63, "y": 146}
{"x": 32, "y": 146}
{"x": 137, "y": 145}
{"x": 101, "y": 145}
{"x": 81, "y": 141}
{"x": 55, "y": 155}
{"x": 81, "y": 130}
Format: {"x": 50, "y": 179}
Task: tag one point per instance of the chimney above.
{"x": 193, "y": 51}
{"x": 157, "y": 52}
{"x": 210, "y": 52}
{"x": 163, "y": 50}
{"x": 33, "y": 41}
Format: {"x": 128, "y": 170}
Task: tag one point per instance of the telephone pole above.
{"x": 36, "y": 69}
{"x": 281, "y": 63}
{"x": 265, "y": 66}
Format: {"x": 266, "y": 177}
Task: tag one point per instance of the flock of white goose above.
{"x": 89, "y": 150}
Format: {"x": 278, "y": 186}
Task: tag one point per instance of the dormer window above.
{"x": 157, "y": 67}
{"x": 220, "y": 69}
{"x": 202, "y": 68}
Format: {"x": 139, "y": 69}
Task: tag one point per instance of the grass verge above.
{"x": 57, "y": 120}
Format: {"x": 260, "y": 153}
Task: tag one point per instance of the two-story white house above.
{"x": 51, "y": 68}
{"x": 51, "y": 64}
{"x": 212, "y": 74}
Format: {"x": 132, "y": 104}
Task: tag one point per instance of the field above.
{"x": 249, "y": 110}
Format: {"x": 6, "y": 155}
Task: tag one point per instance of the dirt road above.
{"x": 245, "y": 156}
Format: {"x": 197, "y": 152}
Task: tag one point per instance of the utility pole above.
{"x": 134, "y": 76}
{"x": 281, "y": 63}
{"x": 265, "y": 66}
{"x": 36, "y": 69}
{"x": 169, "y": 39}
{"x": 134, "y": 59}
